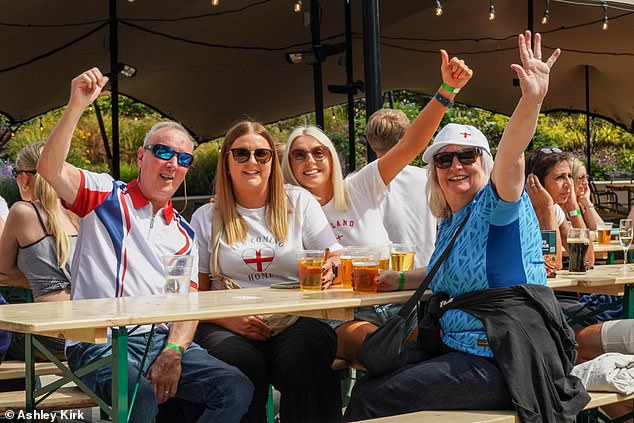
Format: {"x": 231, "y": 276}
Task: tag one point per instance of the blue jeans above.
{"x": 224, "y": 390}
{"x": 451, "y": 381}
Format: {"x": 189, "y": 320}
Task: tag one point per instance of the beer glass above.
{"x": 309, "y": 263}
{"x": 604, "y": 232}
{"x": 625, "y": 238}
{"x": 578, "y": 242}
{"x": 365, "y": 267}
{"x": 402, "y": 256}
{"x": 178, "y": 273}
{"x": 383, "y": 251}
{"x": 346, "y": 264}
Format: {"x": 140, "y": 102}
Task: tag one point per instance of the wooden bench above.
{"x": 67, "y": 398}
{"x": 598, "y": 399}
{"x": 17, "y": 369}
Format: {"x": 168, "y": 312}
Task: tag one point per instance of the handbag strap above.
{"x": 407, "y": 308}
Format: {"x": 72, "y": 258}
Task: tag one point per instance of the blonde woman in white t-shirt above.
{"x": 250, "y": 235}
{"x": 352, "y": 206}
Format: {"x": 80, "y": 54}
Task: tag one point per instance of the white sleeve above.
{"x": 316, "y": 231}
{"x": 201, "y": 223}
{"x": 4, "y": 210}
{"x": 367, "y": 184}
{"x": 559, "y": 214}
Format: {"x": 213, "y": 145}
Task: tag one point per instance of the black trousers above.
{"x": 297, "y": 362}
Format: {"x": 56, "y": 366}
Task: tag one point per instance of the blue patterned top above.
{"x": 499, "y": 247}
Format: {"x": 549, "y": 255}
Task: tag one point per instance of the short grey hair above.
{"x": 165, "y": 125}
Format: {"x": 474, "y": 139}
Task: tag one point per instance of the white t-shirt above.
{"x": 406, "y": 215}
{"x": 559, "y": 214}
{"x": 262, "y": 259}
{"x": 4, "y": 210}
{"x": 362, "y": 222}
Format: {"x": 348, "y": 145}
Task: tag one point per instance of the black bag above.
{"x": 380, "y": 351}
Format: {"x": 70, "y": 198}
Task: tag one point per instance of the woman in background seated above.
{"x": 38, "y": 241}
{"x": 582, "y": 192}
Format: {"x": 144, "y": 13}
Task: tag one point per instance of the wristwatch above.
{"x": 443, "y": 100}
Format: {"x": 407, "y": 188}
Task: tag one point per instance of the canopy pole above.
{"x": 349, "y": 82}
{"x": 104, "y": 134}
{"x": 371, "y": 62}
{"x": 315, "y": 33}
{"x": 587, "y": 69}
{"x": 114, "y": 87}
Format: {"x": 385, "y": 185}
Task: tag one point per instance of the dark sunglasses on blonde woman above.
{"x": 466, "y": 156}
{"x": 242, "y": 155}
{"x": 318, "y": 154}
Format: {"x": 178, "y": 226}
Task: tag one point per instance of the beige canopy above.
{"x": 208, "y": 66}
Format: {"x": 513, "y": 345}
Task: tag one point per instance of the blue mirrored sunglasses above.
{"x": 164, "y": 152}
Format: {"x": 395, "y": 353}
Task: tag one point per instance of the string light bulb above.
{"x": 438, "y": 8}
{"x": 215, "y": 3}
{"x": 546, "y": 14}
{"x": 297, "y": 7}
{"x": 41, "y": 125}
{"x": 604, "y": 24}
{"x": 491, "y": 10}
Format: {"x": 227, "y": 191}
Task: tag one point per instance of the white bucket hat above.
{"x": 456, "y": 134}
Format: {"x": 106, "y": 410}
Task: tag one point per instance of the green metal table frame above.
{"x": 119, "y": 411}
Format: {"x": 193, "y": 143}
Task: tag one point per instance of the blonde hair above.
{"x": 339, "y": 191}
{"x": 276, "y": 208}
{"x": 49, "y": 200}
{"x": 435, "y": 195}
{"x": 385, "y": 128}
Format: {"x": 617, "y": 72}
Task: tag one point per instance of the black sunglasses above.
{"x": 164, "y": 152}
{"x": 16, "y": 172}
{"x": 242, "y": 155}
{"x": 318, "y": 154}
{"x": 466, "y": 156}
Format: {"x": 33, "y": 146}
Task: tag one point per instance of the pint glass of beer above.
{"x": 402, "y": 256}
{"x": 365, "y": 267}
{"x": 309, "y": 264}
{"x": 578, "y": 241}
{"x": 346, "y": 263}
{"x": 604, "y": 231}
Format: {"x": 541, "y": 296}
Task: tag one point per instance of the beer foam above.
{"x": 578, "y": 241}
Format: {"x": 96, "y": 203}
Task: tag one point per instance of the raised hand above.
{"x": 85, "y": 88}
{"x": 533, "y": 73}
{"x": 455, "y": 72}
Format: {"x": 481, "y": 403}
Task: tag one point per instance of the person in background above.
{"x": 136, "y": 220}
{"x": 38, "y": 242}
{"x": 406, "y": 215}
{"x": 582, "y": 191}
{"x": 4, "y": 212}
{"x": 496, "y": 262}
{"x": 251, "y": 235}
{"x": 549, "y": 184}
{"x": 631, "y": 215}
{"x": 353, "y": 205}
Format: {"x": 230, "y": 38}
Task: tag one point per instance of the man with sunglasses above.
{"x": 125, "y": 230}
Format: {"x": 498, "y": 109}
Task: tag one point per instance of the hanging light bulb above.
{"x": 297, "y": 7}
{"x": 491, "y": 10}
{"x": 604, "y": 24}
{"x": 130, "y": 1}
{"x": 438, "y": 8}
{"x": 215, "y": 2}
{"x": 546, "y": 13}
{"x": 41, "y": 125}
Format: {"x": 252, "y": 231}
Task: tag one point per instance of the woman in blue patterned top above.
{"x": 499, "y": 247}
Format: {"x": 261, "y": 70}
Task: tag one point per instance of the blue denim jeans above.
{"x": 224, "y": 390}
{"x": 451, "y": 381}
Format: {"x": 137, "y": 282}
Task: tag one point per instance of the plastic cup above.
{"x": 604, "y": 233}
{"x": 178, "y": 274}
{"x": 309, "y": 263}
{"x": 578, "y": 242}
{"x": 383, "y": 252}
{"x": 346, "y": 264}
{"x": 365, "y": 267}
{"x": 402, "y": 256}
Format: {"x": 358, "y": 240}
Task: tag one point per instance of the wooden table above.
{"x": 607, "y": 251}
{"x": 89, "y": 320}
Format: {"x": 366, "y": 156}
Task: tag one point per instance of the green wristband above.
{"x": 175, "y": 347}
{"x": 450, "y": 89}
{"x": 401, "y": 283}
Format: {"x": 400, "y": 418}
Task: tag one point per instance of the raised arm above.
{"x": 508, "y": 170}
{"x": 455, "y": 74}
{"x": 64, "y": 177}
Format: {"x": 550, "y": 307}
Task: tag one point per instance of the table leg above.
{"x": 29, "y": 381}
{"x": 610, "y": 259}
{"x": 628, "y": 302}
{"x": 119, "y": 375}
